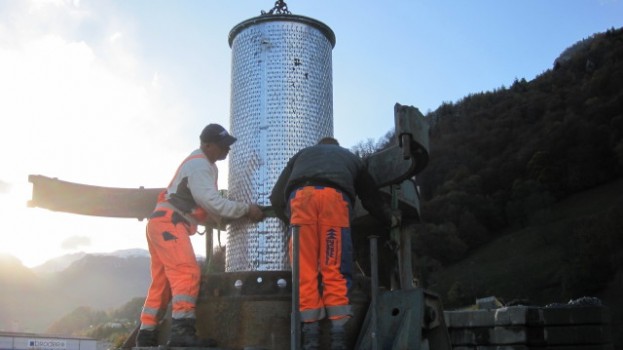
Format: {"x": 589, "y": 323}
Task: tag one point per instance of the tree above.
{"x": 439, "y": 242}
{"x": 76, "y": 322}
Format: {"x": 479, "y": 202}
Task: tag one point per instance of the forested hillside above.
{"x": 504, "y": 161}
{"x": 523, "y": 195}
{"x": 499, "y": 160}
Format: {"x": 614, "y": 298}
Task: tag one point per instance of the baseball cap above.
{"x": 214, "y": 133}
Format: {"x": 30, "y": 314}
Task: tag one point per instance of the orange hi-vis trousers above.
{"x": 325, "y": 249}
{"x": 175, "y": 273}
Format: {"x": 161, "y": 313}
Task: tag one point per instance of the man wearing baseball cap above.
{"x": 191, "y": 199}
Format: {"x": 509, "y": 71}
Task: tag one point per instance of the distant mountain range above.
{"x": 62, "y": 262}
{"x": 32, "y": 299}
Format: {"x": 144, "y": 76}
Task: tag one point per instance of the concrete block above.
{"x": 570, "y": 315}
{"x": 574, "y": 335}
{"x": 506, "y": 316}
{"x": 488, "y": 303}
{"x": 525, "y": 347}
{"x": 524, "y": 335}
{"x": 493, "y": 347}
{"x": 529, "y": 316}
{"x": 489, "y": 336}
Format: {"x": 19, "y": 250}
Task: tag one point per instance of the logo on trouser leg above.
{"x": 331, "y": 242}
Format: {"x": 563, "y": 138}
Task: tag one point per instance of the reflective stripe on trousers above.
{"x": 325, "y": 249}
{"x": 175, "y": 273}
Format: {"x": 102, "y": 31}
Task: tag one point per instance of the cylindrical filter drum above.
{"x": 281, "y": 102}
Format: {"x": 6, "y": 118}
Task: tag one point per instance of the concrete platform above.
{"x": 564, "y": 327}
{"x": 529, "y": 316}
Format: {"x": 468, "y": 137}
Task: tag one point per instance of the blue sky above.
{"x": 115, "y": 92}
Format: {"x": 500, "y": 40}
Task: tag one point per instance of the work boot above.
{"x": 338, "y": 338}
{"x": 183, "y": 335}
{"x": 147, "y": 338}
{"x": 311, "y": 336}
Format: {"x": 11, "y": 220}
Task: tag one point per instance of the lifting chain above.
{"x": 280, "y": 8}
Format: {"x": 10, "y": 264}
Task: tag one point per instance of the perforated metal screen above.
{"x": 281, "y": 101}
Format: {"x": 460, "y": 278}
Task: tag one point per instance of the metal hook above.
{"x": 280, "y": 8}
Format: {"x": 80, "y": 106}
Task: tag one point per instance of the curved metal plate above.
{"x": 69, "y": 197}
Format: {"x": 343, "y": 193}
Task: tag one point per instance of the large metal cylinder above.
{"x": 281, "y": 101}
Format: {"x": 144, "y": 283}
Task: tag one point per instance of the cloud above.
{"x": 38, "y": 4}
{"x": 82, "y": 103}
{"x": 78, "y": 106}
{"x": 4, "y": 187}
{"x": 75, "y": 242}
{"x": 115, "y": 37}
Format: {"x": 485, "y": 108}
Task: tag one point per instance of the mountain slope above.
{"x": 103, "y": 282}
{"x": 31, "y": 303}
{"x": 57, "y": 264}
{"x": 19, "y": 287}
{"x": 540, "y": 264}
{"x": 526, "y": 263}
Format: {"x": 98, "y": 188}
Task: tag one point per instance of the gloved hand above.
{"x": 396, "y": 219}
{"x": 255, "y": 213}
{"x": 277, "y": 212}
{"x": 268, "y": 211}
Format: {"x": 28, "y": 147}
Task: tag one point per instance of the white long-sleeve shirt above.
{"x": 195, "y": 185}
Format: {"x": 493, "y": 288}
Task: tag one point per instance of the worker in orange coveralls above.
{"x": 191, "y": 198}
{"x": 316, "y": 191}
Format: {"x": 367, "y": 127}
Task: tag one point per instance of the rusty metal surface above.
{"x": 53, "y": 194}
{"x": 258, "y": 314}
{"x": 363, "y": 224}
{"x": 253, "y": 283}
